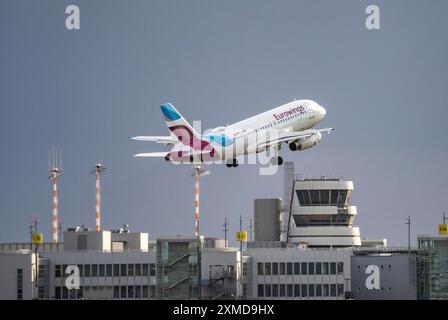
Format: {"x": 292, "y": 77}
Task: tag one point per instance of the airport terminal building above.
{"x": 306, "y": 246}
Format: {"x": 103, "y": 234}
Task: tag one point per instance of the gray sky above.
{"x": 86, "y": 91}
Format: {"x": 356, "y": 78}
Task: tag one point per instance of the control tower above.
{"x": 316, "y": 212}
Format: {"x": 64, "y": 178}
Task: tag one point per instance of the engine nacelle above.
{"x": 303, "y": 144}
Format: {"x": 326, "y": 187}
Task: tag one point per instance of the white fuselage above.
{"x": 297, "y": 115}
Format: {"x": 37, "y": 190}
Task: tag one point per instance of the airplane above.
{"x": 290, "y": 123}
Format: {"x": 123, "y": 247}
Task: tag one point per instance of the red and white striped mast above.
{"x": 98, "y": 170}
{"x": 198, "y": 171}
{"x": 55, "y": 168}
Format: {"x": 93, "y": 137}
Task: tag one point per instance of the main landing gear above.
{"x": 232, "y": 163}
{"x": 276, "y": 161}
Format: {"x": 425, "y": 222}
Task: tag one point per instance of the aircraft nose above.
{"x": 321, "y": 110}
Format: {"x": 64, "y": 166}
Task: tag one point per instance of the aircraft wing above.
{"x": 158, "y": 139}
{"x": 288, "y": 136}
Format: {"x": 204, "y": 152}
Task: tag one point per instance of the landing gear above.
{"x": 276, "y": 161}
{"x": 232, "y": 163}
{"x": 293, "y": 146}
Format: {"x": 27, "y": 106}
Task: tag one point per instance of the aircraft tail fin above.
{"x": 180, "y": 128}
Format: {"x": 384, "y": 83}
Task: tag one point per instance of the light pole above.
{"x": 408, "y": 222}
{"x": 225, "y": 225}
{"x": 198, "y": 171}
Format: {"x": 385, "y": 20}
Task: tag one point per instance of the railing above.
{"x": 385, "y": 249}
{"x": 172, "y": 285}
{"x": 178, "y": 259}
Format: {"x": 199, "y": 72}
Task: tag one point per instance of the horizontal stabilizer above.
{"x": 151, "y": 155}
{"x": 158, "y": 139}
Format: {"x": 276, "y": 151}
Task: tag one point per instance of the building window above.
{"x": 289, "y": 268}
{"x": 340, "y": 289}
{"x": 318, "y": 290}
{"x": 296, "y": 267}
{"x": 81, "y": 270}
{"x": 57, "y": 293}
{"x": 64, "y": 292}
{"x": 152, "y": 269}
{"x": 123, "y": 270}
{"x": 310, "y": 267}
{"x": 260, "y": 290}
{"x": 334, "y": 197}
{"x": 304, "y": 268}
{"x": 304, "y": 290}
{"x": 87, "y": 270}
{"x": 267, "y": 268}
{"x": 145, "y": 269}
{"x": 130, "y": 292}
{"x": 275, "y": 290}
{"x": 297, "y": 290}
{"x": 275, "y": 268}
{"x": 332, "y": 267}
{"x": 289, "y": 290}
{"x": 260, "y": 268}
{"x": 318, "y": 267}
{"x": 116, "y": 270}
{"x": 108, "y": 270}
{"x": 145, "y": 292}
{"x": 72, "y": 293}
{"x": 340, "y": 267}
{"x": 20, "y": 284}
{"x": 325, "y": 268}
{"x": 282, "y": 290}
{"x": 138, "y": 292}
{"x": 326, "y": 290}
{"x": 94, "y": 270}
{"x": 315, "y": 197}
{"x": 333, "y": 290}
{"x": 324, "y": 197}
{"x": 101, "y": 270}
{"x": 57, "y": 271}
{"x": 282, "y": 268}
{"x": 131, "y": 270}
{"x": 152, "y": 291}
{"x": 138, "y": 269}
{"x": 123, "y": 292}
{"x": 311, "y": 290}
{"x": 116, "y": 292}
{"x": 267, "y": 290}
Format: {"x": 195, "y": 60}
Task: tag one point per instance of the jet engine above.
{"x": 305, "y": 143}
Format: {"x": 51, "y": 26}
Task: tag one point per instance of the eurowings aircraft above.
{"x": 290, "y": 123}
